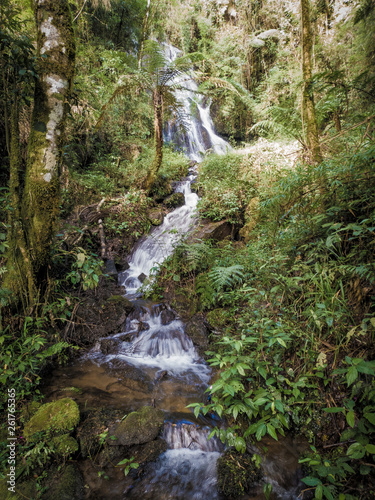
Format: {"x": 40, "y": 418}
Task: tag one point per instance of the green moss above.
{"x": 67, "y": 486}
{"x": 237, "y": 473}
{"x": 53, "y": 418}
{"x": 138, "y": 427}
{"x": 22, "y": 490}
{"x": 217, "y": 319}
{"x": 64, "y": 445}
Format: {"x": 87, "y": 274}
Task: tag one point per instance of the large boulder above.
{"x": 53, "y": 418}
{"x": 156, "y": 216}
{"x": 217, "y": 231}
{"x": 138, "y": 427}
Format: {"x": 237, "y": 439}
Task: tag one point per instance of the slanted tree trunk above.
{"x": 157, "y": 99}
{"x": 36, "y": 207}
{"x": 310, "y": 129}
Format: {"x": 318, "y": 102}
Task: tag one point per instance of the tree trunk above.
{"x": 157, "y": 100}
{"x": 310, "y": 129}
{"x": 37, "y": 208}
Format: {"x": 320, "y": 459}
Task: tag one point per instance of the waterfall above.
{"x": 156, "y": 247}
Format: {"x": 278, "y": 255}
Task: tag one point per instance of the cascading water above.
{"x": 153, "y": 361}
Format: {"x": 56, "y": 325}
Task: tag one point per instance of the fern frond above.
{"x": 225, "y": 277}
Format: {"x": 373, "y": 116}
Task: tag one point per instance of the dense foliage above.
{"x": 290, "y": 296}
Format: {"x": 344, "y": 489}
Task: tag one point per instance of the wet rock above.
{"x": 66, "y": 486}
{"x": 129, "y": 375}
{"x": 110, "y": 268}
{"x": 121, "y": 265}
{"x": 161, "y": 375}
{"x": 142, "y": 326}
{"x": 158, "y": 308}
{"x": 156, "y": 216}
{"x": 148, "y": 452}
{"x": 109, "y": 346}
{"x": 142, "y": 277}
{"x": 212, "y": 231}
{"x": 100, "y": 313}
{"x": 122, "y": 302}
{"x": 167, "y": 316}
{"x": 138, "y": 427}
{"x": 95, "y": 422}
{"x": 175, "y": 200}
{"x": 196, "y": 329}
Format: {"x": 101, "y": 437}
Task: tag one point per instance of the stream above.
{"x": 153, "y": 362}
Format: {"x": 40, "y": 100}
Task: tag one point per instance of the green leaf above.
{"x": 196, "y": 411}
{"x": 271, "y": 431}
{"x": 370, "y": 448}
{"x": 350, "y": 418}
{"x": 262, "y": 429}
{"x": 370, "y": 417}
{"x": 364, "y": 470}
{"x": 311, "y": 481}
{"x": 319, "y": 492}
{"x": 352, "y": 375}
{"x": 335, "y": 409}
{"x": 240, "y": 444}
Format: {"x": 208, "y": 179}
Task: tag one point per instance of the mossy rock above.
{"x": 94, "y": 422}
{"x": 26, "y": 489}
{"x": 175, "y": 200}
{"x": 237, "y": 473}
{"x": 217, "y": 319}
{"x": 121, "y": 301}
{"x": 197, "y": 331}
{"x": 64, "y": 445}
{"x": 29, "y": 410}
{"x": 53, "y": 418}
{"x": 138, "y": 427}
{"x": 67, "y": 486}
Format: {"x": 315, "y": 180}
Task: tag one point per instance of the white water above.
{"x": 154, "y": 249}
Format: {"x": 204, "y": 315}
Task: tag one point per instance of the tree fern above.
{"x": 225, "y": 277}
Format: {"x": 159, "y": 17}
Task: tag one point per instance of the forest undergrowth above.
{"x": 291, "y": 311}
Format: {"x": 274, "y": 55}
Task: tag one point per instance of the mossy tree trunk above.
{"x": 310, "y": 128}
{"x": 157, "y": 100}
{"x": 36, "y": 204}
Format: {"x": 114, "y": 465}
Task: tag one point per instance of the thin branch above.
{"x": 80, "y": 12}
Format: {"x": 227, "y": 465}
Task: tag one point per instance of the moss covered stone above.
{"x": 25, "y": 489}
{"x": 175, "y": 200}
{"x": 138, "y": 427}
{"x": 64, "y": 445}
{"x": 217, "y": 319}
{"x": 121, "y": 302}
{"x": 236, "y": 473}
{"x": 53, "y": 418}
{"x": 66, "y": 486}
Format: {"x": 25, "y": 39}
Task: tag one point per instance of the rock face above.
{"x": 197, "y": 331}
{"x": 138, "y": 427}
{"x": 212, "y": 231}
{"x": 101, "y": 312}
{"x": 175, "y": 200}
{"x": 109, "y": 346}
{"x": 54, "y": 418}
{"x": 167, "y": 316}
